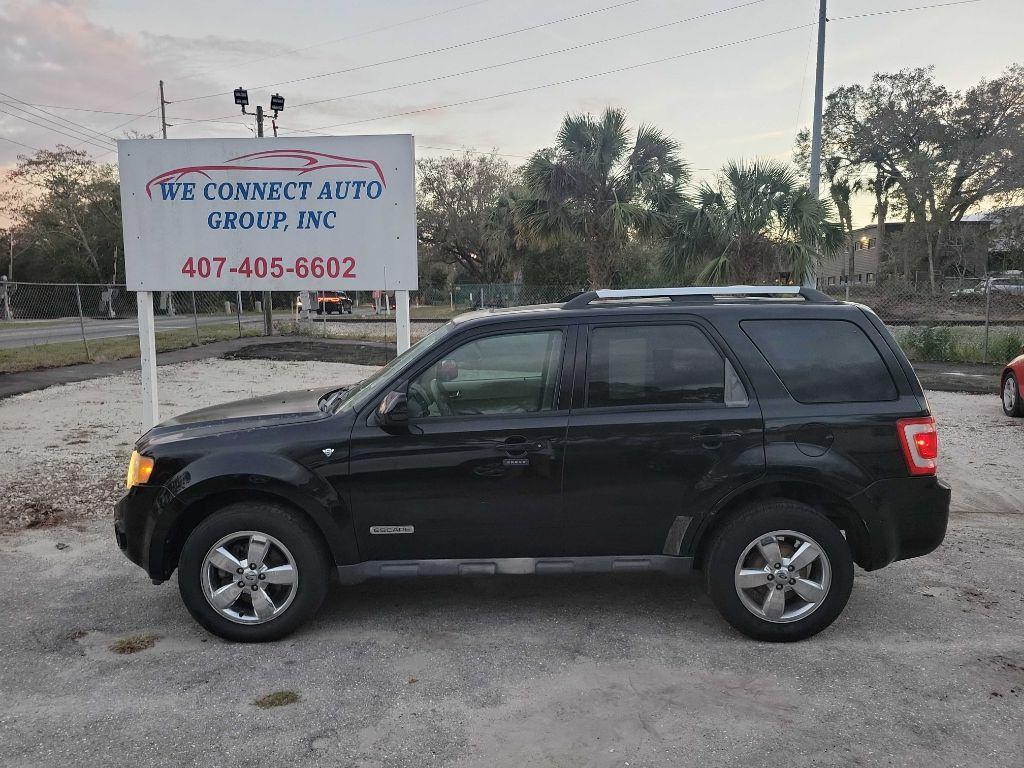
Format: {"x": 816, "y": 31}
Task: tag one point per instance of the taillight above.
{"x": 920, "y": 441}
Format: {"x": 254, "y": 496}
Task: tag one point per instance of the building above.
{"x": 964, "y": 253}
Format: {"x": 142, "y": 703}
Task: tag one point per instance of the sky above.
{"x": 731, "y": 79}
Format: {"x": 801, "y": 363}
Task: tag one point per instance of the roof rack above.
{"x": 702, "y": 293}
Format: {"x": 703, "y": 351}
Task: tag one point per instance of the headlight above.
{"x": 139, "y": 469}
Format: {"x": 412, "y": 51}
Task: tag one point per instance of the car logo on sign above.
{"x": 387, "y": 529}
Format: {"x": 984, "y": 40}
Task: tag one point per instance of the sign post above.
{"x": 306, "y": 214}
{"x": 402, "y": 325}
{"x": 147, "y": 347}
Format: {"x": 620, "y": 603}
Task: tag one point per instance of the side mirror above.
{"x": 448, "y": 370}
{"x": 393, "y": 411}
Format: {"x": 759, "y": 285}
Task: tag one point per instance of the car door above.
{"x": 478, "y": 472}
{"x": 661, "y": 427}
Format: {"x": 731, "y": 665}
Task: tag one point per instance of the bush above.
{"x": 958, "y": 343}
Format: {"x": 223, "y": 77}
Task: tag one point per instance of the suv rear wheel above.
{"x": 779, "y": 571}
{"x": 253, "y": 571}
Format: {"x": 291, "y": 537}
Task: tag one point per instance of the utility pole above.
{"x": 163, "y": 110}
{"x": 810, "y": 279}
{"x": 268, "y": 298}
{"x": 276, "y": 105}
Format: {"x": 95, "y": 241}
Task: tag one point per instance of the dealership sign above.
{"x": 269, "y": 214}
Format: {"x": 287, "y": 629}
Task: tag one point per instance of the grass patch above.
{"x": 134, "y": 643}
{"x": 958, "y": 343}
{"x": 435, "y": 312}
{"x": 277, "y": 699}
{"x": 64, "y": 353}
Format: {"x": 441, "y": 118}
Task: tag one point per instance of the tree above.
{"x": 457, "y": 197}
{"x": 752, "y": 223}
{"x": 598, "y": 189}
{"x": 66, "y": 208}
{"x": 946, "y": 152}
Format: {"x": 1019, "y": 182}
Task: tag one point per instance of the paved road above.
{"x": 924, "y": 668}
{"x": 34, "y": 332}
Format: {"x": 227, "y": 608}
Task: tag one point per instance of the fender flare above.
{"x": 248, "y": 473}
{"x": 799, "y": 487}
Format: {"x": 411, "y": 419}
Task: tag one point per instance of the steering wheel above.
{"x": 419, "y": 397}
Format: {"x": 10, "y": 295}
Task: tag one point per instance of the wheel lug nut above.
{"x": 241, "y": 583}
{"x": 779, "y": 586}
{"x": 778, "y": 565}
{"x": 770, "y": 577}
{"x": 263, "y": 575}
{"x": 239, "y": 570}
{"x": 792, "y": 581}
{"x": 790, "y": 567}
{"x": 254, "y": 587}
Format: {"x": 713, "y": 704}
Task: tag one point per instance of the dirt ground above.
{"x": 925, "y": 667}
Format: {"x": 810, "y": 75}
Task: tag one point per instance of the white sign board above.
{"x": 332, "y": 212}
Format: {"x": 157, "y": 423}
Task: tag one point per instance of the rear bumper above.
{"x": 904, "y": 517}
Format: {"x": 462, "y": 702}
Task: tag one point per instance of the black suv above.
{"x": 770, "y": 437}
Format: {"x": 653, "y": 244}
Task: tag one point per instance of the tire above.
{"x": 291, "y": 540}
{"x": 1012, "y": 405}
{"x": 735, "y": 553}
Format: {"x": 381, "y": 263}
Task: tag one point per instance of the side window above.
{"x": 823, "y": 361}
{"x": 653, "y": 365}
{"x": 506, "y": 374}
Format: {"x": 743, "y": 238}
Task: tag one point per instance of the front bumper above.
{"x": 134, "y": 520}
{"x": 904, "y": 517}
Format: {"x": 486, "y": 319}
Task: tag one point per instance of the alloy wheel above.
{"x": 1009, "y": 394}
{"x": 783, "y": 576}
{"x": 249, "y": 577}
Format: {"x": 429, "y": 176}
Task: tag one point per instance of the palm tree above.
{"x": 752, "y": 223}
{"x": 842, "y": 191}
{"x": 599, "y": 189}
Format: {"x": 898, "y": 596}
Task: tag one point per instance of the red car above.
{"x": 1009, "y": 382}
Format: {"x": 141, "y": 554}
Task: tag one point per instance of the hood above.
{"x": 269, "y": 410}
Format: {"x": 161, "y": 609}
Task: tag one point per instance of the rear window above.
{"x": 823, "y": 361}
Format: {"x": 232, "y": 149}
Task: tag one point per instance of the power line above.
{"x": 84, "y": 109}
{"x": 134, "y": 115}
{"x": 20, "y": 144}
{"x": 66, "y": 130}
{"x": 341, "y": 39}
{"x": 618, "y": 70}
{"x": 903, "y": 10}
{"x": 224, "y": 119}
{"x": 49, "y": 128}
{"x": 534, "y": 57}
{"x": 49, "y": 117}
{"x": 407, "y": 57}
{"x": 567, "y": 81}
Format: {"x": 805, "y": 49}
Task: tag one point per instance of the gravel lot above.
{"x": 925, "y": 667}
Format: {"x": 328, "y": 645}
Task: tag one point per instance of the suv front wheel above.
{"x": 254, "y": 571}
{"x": 779, "y": 571}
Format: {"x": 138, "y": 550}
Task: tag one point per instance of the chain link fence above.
{"x": 970, "y": 321}
{"x": 43, "y": 325}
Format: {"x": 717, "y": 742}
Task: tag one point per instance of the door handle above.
{"x": 519, "y": 446}
{"x": 715, "y": 439}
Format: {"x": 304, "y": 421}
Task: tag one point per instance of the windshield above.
{"x": 356, "y": 395}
